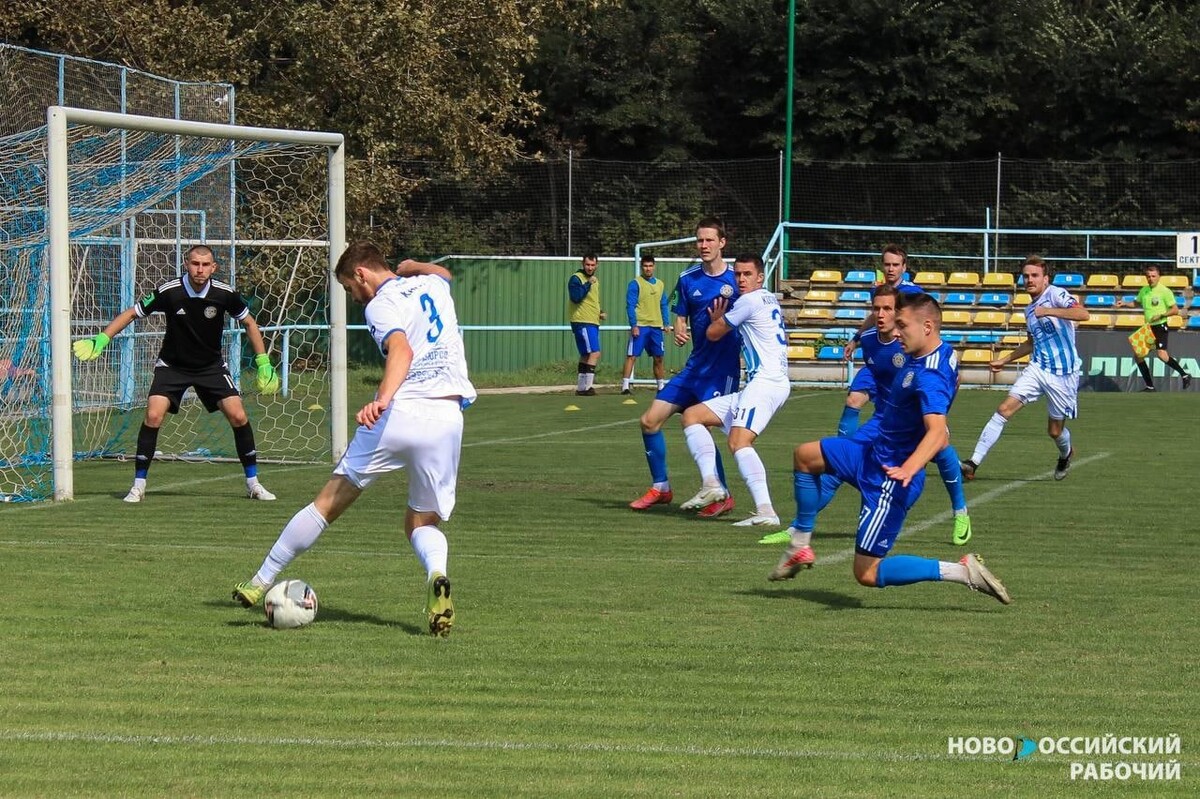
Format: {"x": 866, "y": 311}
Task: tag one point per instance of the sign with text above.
{"x": 1187, "y": 250}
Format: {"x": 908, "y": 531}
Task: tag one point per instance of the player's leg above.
{"x": 587, "y": 342}
{"x": 862, "y": 389}
{"x": 655, "y": 444}
{"x": 632, "y": 351}
{"x": 166, "y": 392}
{"x": 757, "y": 405}
{"x": 810, "y": 461}
{"x": 654, "y": 346}
{"x": 243, "y": 441}
{"x": 1161, "y": 335}
{"x": 298, "y": 536}
{"x": 1026, "y": 389}
{"x": 950, "y": 469}
{"x": 696, "y": 423}
{"x": 1062, "y": 403}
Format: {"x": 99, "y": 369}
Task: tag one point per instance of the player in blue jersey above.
{"x": 882, "y": 357}
{"x": 889, "y": 471}
{"x": 712, "y": 370}
{"x": 1054, "y": 370}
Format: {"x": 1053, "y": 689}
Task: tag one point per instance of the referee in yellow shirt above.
{"x": 1158, "y": 304}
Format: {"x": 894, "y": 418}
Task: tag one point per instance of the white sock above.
{"x": 624, "y": 383}
{"x": 952, "y": 572}
{"x": 581, "y": 382}
{"x": 800, "y": 538}
{"x": 1064, "y": 443}
{"x": 755, "y": 475}
{"x": 660, "y": 384}
{"x": 989, "y": 437}
{"x": 589, "y": 380}
{"x": 139, "y": 482}
{"x": 432, "y": 549}
{"x": 251, "y": 482}
{"x": 298, "y": 535}
{"x": 704, "y": 451}
{"x": 665, "y": 485}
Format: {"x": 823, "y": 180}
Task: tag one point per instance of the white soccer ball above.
{"x": 292, "y": 603}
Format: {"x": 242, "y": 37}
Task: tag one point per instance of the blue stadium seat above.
{"x": 854, "y": 296}
{"x": 984, "y": 338}
{"x": 1196, "y": 281}
{"x": 937, "y": 295}
{"x": 959, "y": 298}
{"x": 953, "y": 338}
{"x": 850, "y": 313}
{"x": 1195, "y": 301}
{"x": 860, "y": 276}
{"x": 1069, "y": 280}
{"x": 995, "y": 299}
{"x": 1099, "y": 301}
{"x": 830, "y": 353}
{"x": 1128, "y": 298}
{"x": 1193, "y": 323}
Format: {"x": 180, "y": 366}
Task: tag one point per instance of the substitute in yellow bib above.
{"x": 646, "y": 310}
{"x": 1158, "y": 304}
{"x": 583, "y": 309}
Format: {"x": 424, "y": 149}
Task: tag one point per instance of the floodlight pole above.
{"x": 787, "y": 141}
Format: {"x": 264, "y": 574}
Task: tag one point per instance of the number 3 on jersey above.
{"x": 428, "y": 306}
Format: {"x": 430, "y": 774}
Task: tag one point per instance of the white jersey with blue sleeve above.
{"x": 759, "y": 320}
{"x": 422, "y": 308}
{"x": 1053, "y": 338}
{"x": 923, "y": 386}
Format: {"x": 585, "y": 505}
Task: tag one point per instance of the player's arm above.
{"x": 666, "y": 317}
{"x": 410, "y": 268}
{"x": 937, "y": 434}
{"x": 719, "y": 325}
{"x": 1023, "y": 349}
{"x": 577, "y": 289}
{"x": 395, "y": 370}
{"x": 254, "y": 335}
{"x": 852, "y": 344}
{"x": 266, "y": 379}
{"x": 1072, "y": 313}
{"x": 89, "y": 349}
{"x": 631, "y": 301}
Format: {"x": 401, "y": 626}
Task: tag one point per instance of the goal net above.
{"x": 96, "y": 210}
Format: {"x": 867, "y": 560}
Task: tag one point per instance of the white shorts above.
{"x": 1061, "y": 391}
{"x": 752, "y": 407}
{"x": 421, "y": 435}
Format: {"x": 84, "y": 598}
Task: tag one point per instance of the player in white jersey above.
{"x": 415, "y": 421}
{"x": 1053, "y": 369}
{"x": 743, "y": 416}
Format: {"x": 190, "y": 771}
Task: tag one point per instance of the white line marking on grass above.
{"x": 946, "y": 515}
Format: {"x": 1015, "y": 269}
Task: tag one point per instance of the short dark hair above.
{"x": 647, "y": 259}
{"x": 1155, "y": 267}
{"x": 1033, "y": 259}
{"x": 590, "y": 256}
{"x": 360, "y": 253}
{"x": 895, "y": 249}
{"x": 713, "y": 222}
{"x": 885, "y": 290}
{"x": 746, "y": 258}
{"x": 920, "y": 302}
{"x": 199, "y": 248}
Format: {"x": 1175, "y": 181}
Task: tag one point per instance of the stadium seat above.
{"x": 1000, "y": 279}
{"x": 963, "y": 279}
{"x": 1022, "y": 298}
{"x": 1129, "y": 298}
{"x": 990, "y": 319}
{"x": 1126, "y": 320}
{"x": 984, "y": 338}
{"x": 1193, "y": 323}
{"x": 814, "y": 315}
{"x": 860, "y": 276}
{"x": 825, "y": 276}
{"x": 801, "y": 336}
{"x": 830, "y": 352}
{"x": 1133, "y": 281}
{"x": 1196, "y": 281}
{"x": 851, "y": 295}
{"x": 924, "y": 279}
{"x": 820, "y": 295}
{"x": 1099, "y": 301}
{"x": 801, "y": 352}
{"x": 1103, "y": 281}
{"x": 1175, "y": 323}
{"x": 1068, "y": 280}
{"x": 937, "y": 295}
{"x": 1102, "y": 320}
{"x": 1013, "y": 338}
{"x": 961, "y": 318}
{"x": 1016, "y": 319}
{"x": 850, "y": 314}
{"x": 953, "y": 338}
{"x": 995, "y": 299}
{"x": 959, "y": 298}
{"x": 1174, "y": 281}
{"x": 976, "y": 355}
{"x": 1195, "y": 303}
{"x": 1007, "y": 352}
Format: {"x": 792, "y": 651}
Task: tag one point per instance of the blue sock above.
{"x": 808, "y": 500}
{"x": 828, "y": 486}
{"x": 951, "y": 471}
{"x": 656, "y": 455}
{"x": 720, "y": 471}
{"x": 905, "y": 570}
{"x": 849, "y": 421}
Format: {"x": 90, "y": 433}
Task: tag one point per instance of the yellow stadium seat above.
{"x": 1133, "y": 281}
{"x": 1103, "y": 282}
{"x": 1016, "y": 319}
{"x": 963, "y": 279}
{"x": 1174, "y": 282}
{"x": 801, "y": 353}
{"x": 1019, "y": 360}
{"x": 956, "y": 318}
{"x": 800, "y": 336}
{"x": 1000, "y": 279}
{"x": 975, "y": 355}
{"x": 992, "y": 318}
{"x": 1129, "y": 320}
{"x": 1175, "y": 323}
{"x": 825, "y": 276}
{"x": 814, "y": 315}
{"x": 1022, "y": 298}
{"x": 821, "y": 295}
{"x": 1098, "y": 320}
{"x": 924, "y": 279}
{"x": 1013, "y": 338}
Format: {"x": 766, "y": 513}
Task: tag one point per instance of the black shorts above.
{"x": 1160, "y": 336}
{"x": 212, "y": 385}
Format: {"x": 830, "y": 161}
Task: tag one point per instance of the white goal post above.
{"x": 59, "y": 120}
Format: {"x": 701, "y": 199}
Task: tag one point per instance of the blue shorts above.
{"x": 587, "y": 337}
{"x": 885, "y": 502}
{"x": 648, "y": 339}
{"x": 686, "y": 390}
{"x": 864, "y": 381}
{"x": 868, "y": 431}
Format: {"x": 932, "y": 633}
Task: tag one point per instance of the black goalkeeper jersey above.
{"x": 195, "y": 321}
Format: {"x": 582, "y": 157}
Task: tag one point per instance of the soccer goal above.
{"x": 98, "y": 208}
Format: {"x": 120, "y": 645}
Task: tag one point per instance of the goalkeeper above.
{"x": 195, "y": 306}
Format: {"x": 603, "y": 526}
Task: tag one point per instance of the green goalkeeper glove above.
{"x": 89, "y": 349}
{"x": 268, "y": 378}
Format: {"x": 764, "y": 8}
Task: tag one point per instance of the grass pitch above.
{"x": 602, "y": 652}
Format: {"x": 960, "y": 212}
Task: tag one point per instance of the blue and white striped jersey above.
{"x": 1053, "y": 338}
